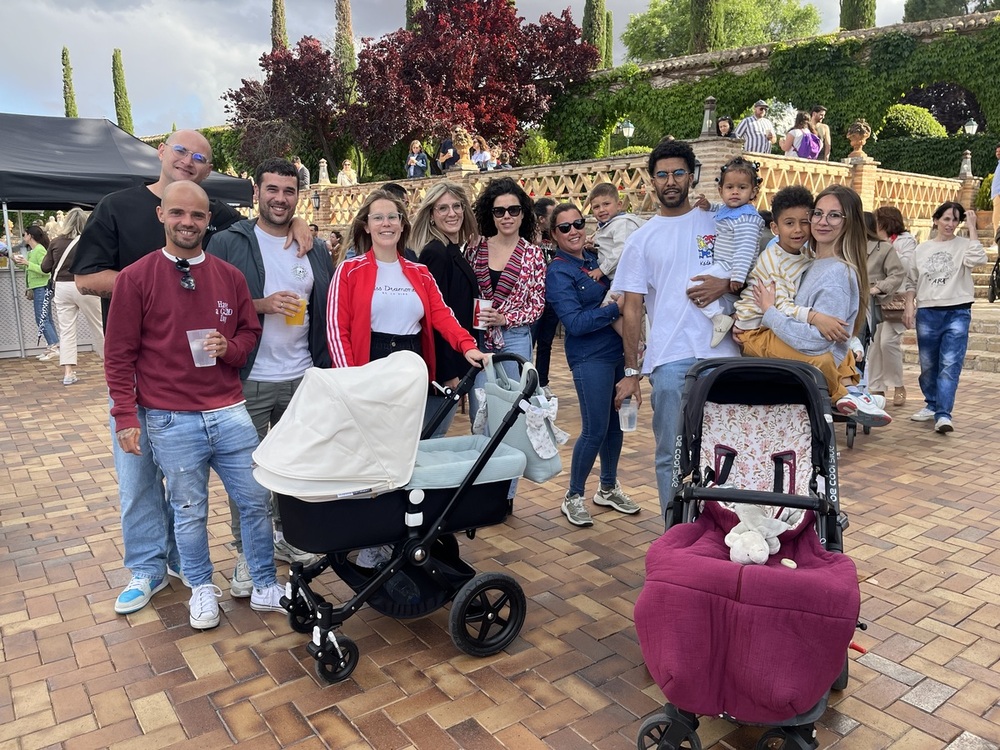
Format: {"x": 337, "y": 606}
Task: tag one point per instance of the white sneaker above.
{"x": 859, "y": 406}
{"x": 924, "y": 415}
{"x": 241, "y": 585}
{"x": 204, "y": 607}
{"x": 287, "y": 553}
{"x": 878, "y": 399}
{"x": 179, "y": 575}
{"x": 943, "y": 425}
{"x": 267, "y": 599}
{"x": 49, "y": 354}
{"x": 574, "y": 510}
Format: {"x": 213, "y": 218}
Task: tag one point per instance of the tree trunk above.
{"x": 343, "y": 44}
{"x": 279, "y": 34}
{"x": 123, "y": 110}
{"x": 69, "y": 98}
{"x": 707, "y": 31}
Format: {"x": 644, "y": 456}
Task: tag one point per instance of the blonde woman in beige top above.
{"x": 939, "y": 295}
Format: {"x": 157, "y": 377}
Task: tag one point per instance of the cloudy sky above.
{"x": 180, "y": 56}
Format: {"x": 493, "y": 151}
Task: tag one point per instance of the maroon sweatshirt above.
{"x": 147, "y": 356}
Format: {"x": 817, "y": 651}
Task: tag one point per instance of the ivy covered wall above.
{"x": 851, "y": 77}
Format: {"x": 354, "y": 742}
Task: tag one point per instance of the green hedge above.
{"x": 852, "y": 77}
{"x": 941, "y": 157}
{"x": 910, "y": 121}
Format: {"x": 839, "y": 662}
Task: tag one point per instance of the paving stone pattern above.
{"x": 925, "y": 533}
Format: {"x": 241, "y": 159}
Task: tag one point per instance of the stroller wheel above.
{"x": 301, "y": 617}
{"x": 652, "y": 734}
{"x": 336, "y": 667}
{"x": 852, "y": 431}
{"x": 841, "y": 682}
{"x": 487, "y": 614}
{"x": 787, "y": 739}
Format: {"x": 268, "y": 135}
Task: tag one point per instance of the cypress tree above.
{"x": 857, "y": 14}
{"x": 279, "y": 35}
{"x": 123, "y": 110}
{"x": 609, "y": 40}
{"x": 412, "y": 6}
{"x": 343, "y": 39}
{"x": 69, "y": 98}
{"x": 594, "y": 17}
{"x": 707, "y": 32}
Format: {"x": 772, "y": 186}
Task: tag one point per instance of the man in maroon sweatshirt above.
{"x": 195, "y": 415}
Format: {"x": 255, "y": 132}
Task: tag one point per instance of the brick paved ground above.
{"x": 925, "y": 533}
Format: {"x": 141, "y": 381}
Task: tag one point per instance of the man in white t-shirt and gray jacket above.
{"x": 670, "y": 251}
{"x": 291, "y": 343}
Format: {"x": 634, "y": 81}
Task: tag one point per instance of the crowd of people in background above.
{"x": 814, "y": 279}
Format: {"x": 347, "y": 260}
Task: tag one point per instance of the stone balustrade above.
{"x": 915, "y": 195}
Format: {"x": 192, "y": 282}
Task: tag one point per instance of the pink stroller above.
{"x": 758, "y": 644}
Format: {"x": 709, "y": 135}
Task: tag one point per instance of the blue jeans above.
{"x": 49, "y": 329}
{"x": 942, "y": 338}
{"x": 185, "y": 444}
{"x": 147, "y": 519}
{"x": 666, "y": 384}
{"x": 601, "y": 432}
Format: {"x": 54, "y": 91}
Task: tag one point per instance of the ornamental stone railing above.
{"x": 915, "y": 195}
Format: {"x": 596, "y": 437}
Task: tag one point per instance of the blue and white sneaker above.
{"x": 138, "y": 593}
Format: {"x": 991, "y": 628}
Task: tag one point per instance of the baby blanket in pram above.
{"x": 760, "y": 643}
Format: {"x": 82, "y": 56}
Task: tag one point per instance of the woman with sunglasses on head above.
{"x": 835, "y": 284}
{"x": 596, "y": 357}
{"x": 510, "y": 271}
{"x": 443, "y": 224}
{"x": 381, "y": 303}
{"x": 939, "y": 295}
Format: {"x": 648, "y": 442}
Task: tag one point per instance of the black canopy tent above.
{"x": 49, "y": 163}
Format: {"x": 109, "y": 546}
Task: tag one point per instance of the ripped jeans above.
{"x": 185, "y": 445}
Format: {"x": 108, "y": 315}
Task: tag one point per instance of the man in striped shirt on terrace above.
{"x": 757, "y": 131}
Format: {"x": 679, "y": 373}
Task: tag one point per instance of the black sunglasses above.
{"x": 575, "y": 224}
{"x": 187, "y": 281}
{"x": 499, "y": 211}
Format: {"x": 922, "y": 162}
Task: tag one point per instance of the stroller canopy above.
{"x": 348, "y": 431}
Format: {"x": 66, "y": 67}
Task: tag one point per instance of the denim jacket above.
{"x": 576, "y": 299}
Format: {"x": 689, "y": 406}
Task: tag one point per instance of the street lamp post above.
{"x": 315, "y": 200}
{"x": 628, "y": 130}
{"x": 708, "y": 121}
{"x": 970, "y": 127}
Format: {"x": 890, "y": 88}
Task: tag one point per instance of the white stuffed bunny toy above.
{"x": 755, "y": 538}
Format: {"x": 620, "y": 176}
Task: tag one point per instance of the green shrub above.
{"x": 941, "y": 157}
{"x": 537, "y": 149}
{"x": 631, "y": 150}
{"x": 909, "y": 121}
{"x": 983, "y": 200}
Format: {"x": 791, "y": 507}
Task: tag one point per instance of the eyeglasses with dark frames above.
{"x": 499, "y": 211}
{"x": 833, "y": 218}
{"x": 187, "y": 280}
{"x": 565, "y": 226}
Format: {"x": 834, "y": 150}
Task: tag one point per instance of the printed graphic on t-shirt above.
{"x": 940, "y": 268}
{"x": 300, "y": 272}
{"x": 706, "y": 249}
{"x": 224, "y": 311}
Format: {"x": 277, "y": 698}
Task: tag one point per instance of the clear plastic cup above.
{"x": 628, "y": 415}
{"x": 299, "y": 318}
{"x": 197, "y": 339}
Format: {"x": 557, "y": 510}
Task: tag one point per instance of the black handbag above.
{"x": 994, "y": 288}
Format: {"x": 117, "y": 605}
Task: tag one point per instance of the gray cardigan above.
{"x": 828, "y": 286}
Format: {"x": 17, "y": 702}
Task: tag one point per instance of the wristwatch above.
{"x": 631, "y": 372}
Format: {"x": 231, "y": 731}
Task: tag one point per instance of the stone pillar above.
{"x": 324, "y": 173}
{"x": 864, "y": 170}
{"x": 713, "y": 152}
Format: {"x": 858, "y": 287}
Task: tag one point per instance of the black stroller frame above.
{"x": 488, "y": 609}
{"x": 770, "y": 381}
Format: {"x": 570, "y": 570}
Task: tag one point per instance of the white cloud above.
{"x": 180, "y": 56}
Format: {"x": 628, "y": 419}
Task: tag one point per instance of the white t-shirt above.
{"x": 283, "y": 353}
{"x": 659, "y": 260}
{"x": 396, "y": 308}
